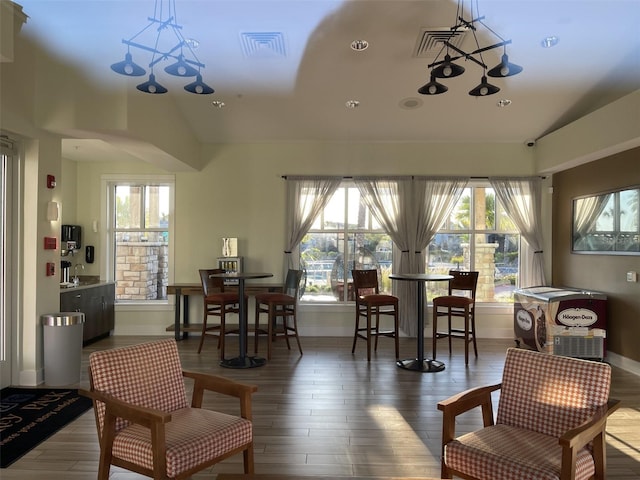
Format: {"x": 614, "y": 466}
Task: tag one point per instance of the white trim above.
{"x": 624, "y": 363}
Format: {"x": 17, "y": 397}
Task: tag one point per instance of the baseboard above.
{"x": 624, "y": 363}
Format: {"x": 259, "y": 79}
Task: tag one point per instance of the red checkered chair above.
{"x": 550, "y": 423}
{"x": 145, "y": 423}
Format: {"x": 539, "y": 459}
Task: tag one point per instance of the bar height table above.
{"x": 242, "y": 360}
{"x": 421, "y": 364}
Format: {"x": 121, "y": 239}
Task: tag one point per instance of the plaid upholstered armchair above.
{"x": 550, "y": 423}
{"x": 145, "y": 423}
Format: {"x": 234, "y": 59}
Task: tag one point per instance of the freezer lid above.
{"x": 555, "y": 294}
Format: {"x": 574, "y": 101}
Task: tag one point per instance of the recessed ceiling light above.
{"x": 550, "y": 41}
{"x": 359, "y": 45}
{"x": 218, "y": 104}
{"x": 192, "y": 43}
{"x": 352, "y": 103}
{"x": 505, "y": 102}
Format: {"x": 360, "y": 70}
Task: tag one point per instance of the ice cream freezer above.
{"x": 562, "y": 321}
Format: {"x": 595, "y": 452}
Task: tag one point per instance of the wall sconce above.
{"x": 52, "y": 211}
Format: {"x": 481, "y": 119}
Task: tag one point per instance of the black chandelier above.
{"x": 446, "y": 68}
{"x": 162, "y": 48}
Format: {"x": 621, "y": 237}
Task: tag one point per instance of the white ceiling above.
{"x": 293, "y": 84}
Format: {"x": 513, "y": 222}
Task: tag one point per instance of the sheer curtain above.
{"x": 586, "y": 212}
{"x": 410, "y": 209}
{"x": 434, "y": 200}
{"x": 521, "y": 198}
{"x": 306, "y": 198}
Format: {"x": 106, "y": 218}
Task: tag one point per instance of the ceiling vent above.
{"x": 430, "y": 41}
{"x": 263, "y": 44}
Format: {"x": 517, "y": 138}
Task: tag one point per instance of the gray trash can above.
{"x": 62, "y": 347}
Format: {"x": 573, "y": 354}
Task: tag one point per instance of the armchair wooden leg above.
{"x": 248, "y": 460}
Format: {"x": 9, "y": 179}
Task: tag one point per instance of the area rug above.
{"x": 28, "y": 416}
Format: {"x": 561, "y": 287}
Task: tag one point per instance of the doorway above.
{"x": 8, "y": 190}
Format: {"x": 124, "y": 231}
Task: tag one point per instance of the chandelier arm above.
{"x": 491, "y": 47}
{"x": 467, "y": 56}
{"x": 162, "y": 55}
{"x": 468, "y": 23}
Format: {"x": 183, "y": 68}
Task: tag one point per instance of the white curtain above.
{"x": 411, "y": 210}
{"x": 586, "y": 213}
{"x": 306, "y": 198}
{"x": 521, "y": 198}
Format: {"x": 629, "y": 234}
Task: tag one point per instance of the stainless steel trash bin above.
{"x": 62, "y": 347}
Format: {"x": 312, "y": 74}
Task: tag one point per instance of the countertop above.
{"x": 86, "y": 281}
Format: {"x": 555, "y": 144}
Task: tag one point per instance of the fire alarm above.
{"x": 51, "y": 181}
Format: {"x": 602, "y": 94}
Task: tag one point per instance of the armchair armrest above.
{"x": 463, "y": 402}
{"x": 132, "y": 413}
{"x": 592, "y": 430}
{"x": 581, "y": 435}
{"x": 222, "y": 385}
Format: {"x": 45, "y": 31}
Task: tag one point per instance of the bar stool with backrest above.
{"x": 371, "y": 303}
{"x": 460, "y": 302}
{"x": 217, "y": 303}
{"x": 282, "y": 305}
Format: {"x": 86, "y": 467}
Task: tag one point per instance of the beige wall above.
{"x": 603, "y": 273}
{"x": 240, "y": 193}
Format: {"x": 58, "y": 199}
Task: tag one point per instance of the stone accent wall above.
{"x": 486, "y": 267}
{"x": 143, "y": 270}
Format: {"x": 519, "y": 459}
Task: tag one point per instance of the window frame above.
{"x": 345, "y": 233}
{"x": 472, "y": 232}
{"x": 108, "y": 183}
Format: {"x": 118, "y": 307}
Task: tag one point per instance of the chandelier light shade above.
{"x": 181, "y": 69}
{"x": 484, "y": 89}
{"x": 199, "y": 86}
{"x": 443, "y": 67}
{"x": 152, "y": 86}
{"x": 447, "y": 69}
{"x": 128, "y": 67}
{"x": 433, "y": 87}
{"x": 505, "y": 68}
{"x": 162, "y": 38}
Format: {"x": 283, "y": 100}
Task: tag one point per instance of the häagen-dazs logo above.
{"x": 577, "y": 317}
{"x": 524, "y": 319}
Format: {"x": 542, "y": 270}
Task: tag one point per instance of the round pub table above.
{"x": 421, "y": 364}
{"x": 242, "y": 360}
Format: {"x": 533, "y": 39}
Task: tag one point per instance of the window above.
{"x": 345, "y": 236}
{"x": 608, "y": 222}
{"x": 479, "y": 235}
{"x": 140, "y": 251}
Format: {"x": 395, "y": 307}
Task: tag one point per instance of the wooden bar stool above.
{"x": 371, "y": 303}
{"x": 460, "y": 305}
{"x": 279, "y": 305}
{"x": 217, "y": 303}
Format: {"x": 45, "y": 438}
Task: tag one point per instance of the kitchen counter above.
{"x": 86, "y": 281}
{"x": 94, "y": 298}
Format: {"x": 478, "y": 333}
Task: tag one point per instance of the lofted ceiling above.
{"x": 285, "y": 69}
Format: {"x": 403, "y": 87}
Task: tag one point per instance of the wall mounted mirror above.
{"x": 607, "y": 223}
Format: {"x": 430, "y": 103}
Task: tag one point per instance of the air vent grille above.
{"x": 430, "y": 41}
{"x": 263, "y": 44}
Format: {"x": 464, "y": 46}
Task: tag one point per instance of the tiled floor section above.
{"x": 331, "y": 413}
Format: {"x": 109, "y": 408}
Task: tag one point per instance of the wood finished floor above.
{"x": 331, "y": 413}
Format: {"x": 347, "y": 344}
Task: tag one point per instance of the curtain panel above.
{"x": 411, "y": 209}
{"x": 522, "y": 198}
{"x": 306, "y": 198}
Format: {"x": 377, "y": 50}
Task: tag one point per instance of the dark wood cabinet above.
{"x": 97, "y": 304}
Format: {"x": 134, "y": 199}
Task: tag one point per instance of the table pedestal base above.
{"x": 425, "y": 365}
{"x": 243, "y": 362}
